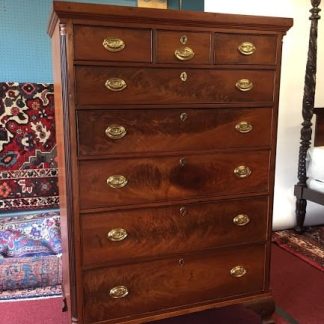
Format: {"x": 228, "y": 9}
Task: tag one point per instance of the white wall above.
{"x": 294, "y": 58}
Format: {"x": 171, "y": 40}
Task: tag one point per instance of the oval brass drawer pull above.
{"x": 238, "y": 271}
{"x": 241, "y": 220}
{"x": 117, "y": 181}
{"x": 242, "y": 171}
{"x": 115, "y": 131}
{"x": 117, "y": 234}
{"x": 244, "y": 127}
{"x": 115, "y": 84}
{"x": 244, "y": 85}
{"x": 113, "y": 44}
{"x": 118, "y": 292}
{"x": 184, "y": 53}
{"x": 247, "y": 48}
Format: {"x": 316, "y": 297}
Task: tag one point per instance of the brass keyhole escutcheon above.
{"x": 181, "y": 262}
{"x": 183, "y": 211}
{"x": 183, "y": 76}
{"x": 183, "y": 116}
{"x": 184, "y": 39}
{"x": 183, "y": 162}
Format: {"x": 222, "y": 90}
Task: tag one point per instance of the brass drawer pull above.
{"x": 113, "y": 44}
{"x": 244, "y": 127}
{"x": 115, "y": 84}
{"x": 118, "y": 292}
{"x": 115, "y": 131}
{"x": 117, "y": 181}
{"x": 241, "y": 220}
{"x": 117, "y": 234}
{"x": 242, "y": 171}
{"x": 247, "y": 48}
{"x": 238, "y": 271}
{"x": 184, "y": 53}
{"x": 244, "y": 85}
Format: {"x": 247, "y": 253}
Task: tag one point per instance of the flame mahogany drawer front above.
{"x": 115, "y": 85}
{"x": 245, "y": 49}
{"x": 119, "y": 291}
{"x": 109, "y": 132}
{"x": 149, "y": 232}
{"x": 129, "y": 181}
{"x": 112, "y": 44}
{"x": 183, "y": 47}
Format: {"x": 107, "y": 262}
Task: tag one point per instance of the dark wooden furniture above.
{"x": 167, "y": 136}
{"x": 302, "y": 192}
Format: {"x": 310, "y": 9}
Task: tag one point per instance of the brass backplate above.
{"x": 159, "y": 4}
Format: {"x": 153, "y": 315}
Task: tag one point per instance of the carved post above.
{"x": 307, "y": 112}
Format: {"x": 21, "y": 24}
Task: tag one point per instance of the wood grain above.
{"x": 164, "y": 86}
{"x": 167, "y": 283}
{"x": 165, "y": 131}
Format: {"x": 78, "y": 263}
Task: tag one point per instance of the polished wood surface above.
{"x": 164, "y": 178}
{"x": 227, "y": 49}
{"x": 173, "y": 130}
{"x": 152, "y": 85}
{"x": 319, "y": 127}
{"x": 173, "y": 229}
{"x": 180, "y": 280}
{"x": 89, "y": 40}
{"x": 169, "y": 125}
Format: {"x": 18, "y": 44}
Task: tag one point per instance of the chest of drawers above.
{"x": 166, "y": 131}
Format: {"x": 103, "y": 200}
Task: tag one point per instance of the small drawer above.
{"x": 110, "y": 132}
{"x": 114, "y": 182}
{"x": 115, "y": 85}
{"x": 117, "y": 292}
{"x": 245, "y": 49}
{"x": 112, "y": 44}
{"x": 149, "y": 232}
{"x": 183, "y": 47}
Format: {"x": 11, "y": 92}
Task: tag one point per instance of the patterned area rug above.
{"x": 28, "y": 166}
{"x": 309, "y": 246}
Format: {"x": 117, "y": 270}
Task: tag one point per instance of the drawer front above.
{"x": 115, "y": 85}
{"x": 183, "y": 47}
{"x": 149, "y": 232}
{"x": 131, "y": 131}
{"x": 162, "y": 284}
{"x": 112, "y": 44}
{"x": 245, "y": 49}
{"x": 142, "y": 180}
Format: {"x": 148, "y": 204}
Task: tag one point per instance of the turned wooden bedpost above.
{"x": 307, "y": 112}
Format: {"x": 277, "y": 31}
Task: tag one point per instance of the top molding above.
{"x": 61, "y": 11}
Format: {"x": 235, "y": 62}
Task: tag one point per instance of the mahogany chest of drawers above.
{"x": 166, "y": 131}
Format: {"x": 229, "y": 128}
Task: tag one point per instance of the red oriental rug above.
{"x": 28, "y": 166}
{"x": 308, "y": 246}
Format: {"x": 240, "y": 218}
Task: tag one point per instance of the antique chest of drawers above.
{"x": 166, "y": 131}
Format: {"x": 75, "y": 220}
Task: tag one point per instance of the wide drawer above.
{"x": 129, "y": 181}
{"x": 245, "y": 49}
{"x": 114, "y": 85}
{"x": 183, "y": 47}
{"x": 184, "y": 280}
{"x": 112, "y": 44}
{"x": 148, "y": 232}
{"x": 107, "y": 132}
